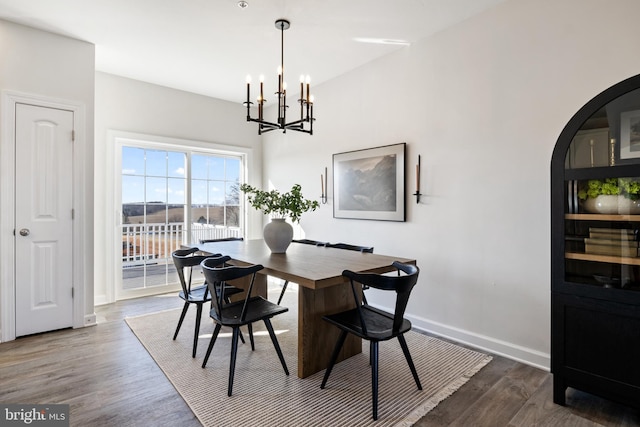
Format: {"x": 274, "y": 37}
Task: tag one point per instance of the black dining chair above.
{"x": 305, "y": 242}
{"x": 222, "y": 239}
{"x": 376, "y": 325}
{"x": 358, "y": 248}
{"x": 185, "y": 260}
{"x": 238, "y": 313}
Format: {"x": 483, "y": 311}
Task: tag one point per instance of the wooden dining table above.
{"x": 322, "y": 289}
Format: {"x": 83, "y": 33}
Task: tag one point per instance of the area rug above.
{"x": 264, "y": 396}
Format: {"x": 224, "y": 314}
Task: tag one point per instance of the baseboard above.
{"x": 90, "y": 319}
{"x": 509, "y": 350}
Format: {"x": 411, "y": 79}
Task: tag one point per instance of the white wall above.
{"x": 132, "y": 106}
{"x": 41, "y": 64}
{"x": 483, "y": 104}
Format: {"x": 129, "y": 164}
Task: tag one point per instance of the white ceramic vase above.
{"x": 627, "y": 206}
{"x": 278, "y": 235}
{"x": 612, "y": 204}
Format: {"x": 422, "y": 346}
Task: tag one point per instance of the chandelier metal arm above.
{"x": 297, "y": 126}
{"x": 264, "y": 123}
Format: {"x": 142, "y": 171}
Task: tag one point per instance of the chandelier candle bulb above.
{"x": 308, "y": 81}
{"x": 284, "y": 102}
{"x": 261, "y": 87}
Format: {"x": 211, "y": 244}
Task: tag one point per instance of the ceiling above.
{"x": 209, "y": 46}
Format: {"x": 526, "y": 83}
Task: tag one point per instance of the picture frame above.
{"x": 630, "y": 134}
{"x": 370, "y": 183}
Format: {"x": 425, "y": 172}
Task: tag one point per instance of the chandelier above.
{"x": 305, "y": 100}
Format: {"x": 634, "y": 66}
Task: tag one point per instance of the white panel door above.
{"x": 43, "y": 215}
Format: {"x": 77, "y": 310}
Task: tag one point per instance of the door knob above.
{"x": 24, "y": 232}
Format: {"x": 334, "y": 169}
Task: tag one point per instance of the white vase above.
{"x": 278, "y": 235}
{"x": 612, "y": 204}
{"x": 628, "y": 206}
{"x": 602, "y": 204}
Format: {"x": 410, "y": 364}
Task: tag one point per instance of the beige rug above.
{"x": 264, "y": 396}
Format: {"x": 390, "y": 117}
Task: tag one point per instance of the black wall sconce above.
{"x": 323, "y": 186}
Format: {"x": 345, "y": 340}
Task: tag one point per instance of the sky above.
{"x": 160, "y": 176}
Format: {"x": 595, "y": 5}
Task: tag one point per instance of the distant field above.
{"x": 177, "y": 215}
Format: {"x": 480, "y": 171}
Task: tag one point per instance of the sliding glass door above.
{"x": 169, "y": 198}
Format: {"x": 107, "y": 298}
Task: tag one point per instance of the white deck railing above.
{"x": 146, "y": 242}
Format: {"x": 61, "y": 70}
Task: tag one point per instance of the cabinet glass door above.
{"x": 602, "y": 198}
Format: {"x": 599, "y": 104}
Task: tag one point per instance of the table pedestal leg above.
{"x": 317, "y": 338}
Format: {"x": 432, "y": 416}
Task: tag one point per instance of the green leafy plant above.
{"x": 627, "y": 187}
{"x": 280, "y": 205}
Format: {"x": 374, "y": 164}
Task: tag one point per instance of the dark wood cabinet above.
{"x": 595, "y": 249}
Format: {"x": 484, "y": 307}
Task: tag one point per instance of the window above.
{"x": 215, "y": 196}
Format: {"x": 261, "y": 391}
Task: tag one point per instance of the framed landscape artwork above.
{"x": 369, "y": 184}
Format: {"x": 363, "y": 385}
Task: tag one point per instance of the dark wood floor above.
{"x": 108, "y": 379}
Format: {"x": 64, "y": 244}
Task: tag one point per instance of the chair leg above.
{"x": 216, "y": 331}
{"x": 250, "y": 328}
{"x": 184, "y": 312}
{"x": 374, "y": 378}
{"x": 334, "y": 357}
{"x": 370, "y": 353}
{"x": 197, "y": 331}
{"x": 405, "y": 350}
{"x": 284, "y": 288}
{"x": 232, "y": 363}
{"x": 227, "y": 300}
{"x": 274, "y": 340}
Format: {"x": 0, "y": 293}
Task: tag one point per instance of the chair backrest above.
{"x": 310, "y": 242}
{"x": 349, "y": 247}
{"x": 187, "y": 258}
{"x": 401, "y": 284}
{"x": 223, "y": 239}
{"x": 216, "y": 275}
